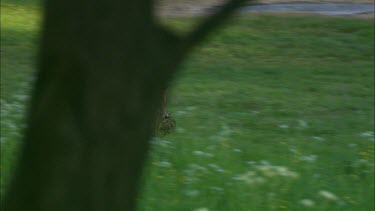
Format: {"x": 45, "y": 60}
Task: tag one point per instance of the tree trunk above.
{"x": 103, "y": 67}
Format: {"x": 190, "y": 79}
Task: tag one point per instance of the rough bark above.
{"x": 103, "y": 67}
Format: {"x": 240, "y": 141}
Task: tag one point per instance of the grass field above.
{"x": 273, "y": 113}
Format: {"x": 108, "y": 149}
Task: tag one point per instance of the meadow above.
{"x": 273, "y": 113}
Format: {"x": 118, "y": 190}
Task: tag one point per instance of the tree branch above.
{"x": 211, "y": 23}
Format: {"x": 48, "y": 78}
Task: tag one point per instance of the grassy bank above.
{"x": 273, "y": 113}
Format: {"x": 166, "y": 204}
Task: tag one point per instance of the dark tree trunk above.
{"x": 103, "y": 68}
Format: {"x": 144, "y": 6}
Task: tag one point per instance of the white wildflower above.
{"x": 328, "y": 195}
{"x": 264, "y": 170}
{"x": 218, "y": 189}
{"x": 213, "y": 166}
{"x": 258, "y": 180}
{"x": 250, "y": 178}
{"x": 284, "y": 126}
{"x": 209, "y": 154}
{"x": 293, "y": 150}
{"x": 303, "y": 123}
{"x": 284, "y": 171}
{"x": 264, "y": 162}
{"x": 190, "y": 108}
{"x": 255, "y": 112}
{"x": 190, "y": 180}
{"x": 22, "y": 97}
{"x": 12, "y": 126}
{"x": 203, "y": 154}
{"x": 178, "y": 113}
{"x": 318, "y": 138}
{"x": 196, "y": 167}
{"x": 226, "y": 131}
{"x": 309, "y": 158}
{"x": 367, "y": 134}
{"x": 269, "y": 172}
{"x": 216, "y": 168}
{"x": 165, "y": 164}
{"x": 307, "y": 202}
{"x": 199, "y": 153}
{"x": 188, "y": 172}
{"x": 202, "y": 209}
{"x": 281, "y": 169}
{"x": 162, "y": 143}
{"x": 192, "y": 192}
{"x": 251, "y": 162}
{"x": 263, "y": 167}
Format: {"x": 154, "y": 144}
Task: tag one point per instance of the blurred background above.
{"x": 274, "y": 111}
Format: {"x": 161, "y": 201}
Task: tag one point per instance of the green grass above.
{"x": 264, "y": 93}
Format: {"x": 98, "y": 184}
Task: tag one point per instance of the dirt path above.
{"x": 324, "y": 8}
{"x": 342, "y": 7}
